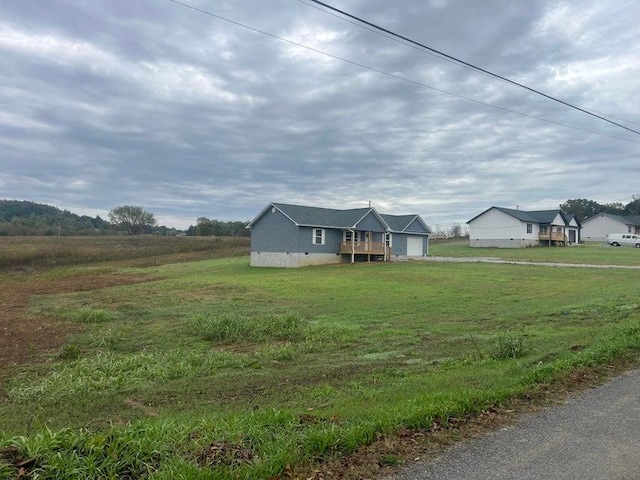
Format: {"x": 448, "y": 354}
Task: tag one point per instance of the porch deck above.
{"x": 367, "y": 248}
{"x": 553, "y": 236}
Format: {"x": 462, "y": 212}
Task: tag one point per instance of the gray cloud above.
{"x": 112, "y": 102}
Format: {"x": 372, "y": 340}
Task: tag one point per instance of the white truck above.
{"x": 619, "y": 239}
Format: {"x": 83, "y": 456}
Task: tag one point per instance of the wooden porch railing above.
{"x": 368, "y": 248}
{"x": 553, "y": 236}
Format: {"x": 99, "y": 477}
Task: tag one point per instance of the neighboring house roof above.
{"x": 304, "y": 216}
{"x": 626, "y": 219}
{"x": 535, "y": 216}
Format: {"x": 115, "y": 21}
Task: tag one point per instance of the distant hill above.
{"x": 19, "y": 217}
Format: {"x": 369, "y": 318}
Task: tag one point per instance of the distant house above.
{"x": 597, "y": 227}
{"x": 285, "y": 235}
{"x": 509, "y": 228}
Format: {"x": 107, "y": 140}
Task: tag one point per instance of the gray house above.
{"x": 597, "y": 228}
{"x": 285, "y": 235}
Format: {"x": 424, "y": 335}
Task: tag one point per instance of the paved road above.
{"x": 595, "y": 436}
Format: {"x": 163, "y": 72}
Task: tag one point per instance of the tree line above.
{"x": 25, "y": 218}
{"x": 28, "y": 218}
{"x": 583, "y": 208}
{"x": 205, "y": 227}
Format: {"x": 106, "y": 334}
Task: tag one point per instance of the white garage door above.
{"x": 414, "y": 246}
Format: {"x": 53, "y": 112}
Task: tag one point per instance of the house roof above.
{"x": 333, "y": 218}
{"x": 322, "y": 217}
{"x": 626, "y": 219}
{"x": 571, "y": 216}
{"x": 400, "y": 223}
{"x": 535, "y": 216}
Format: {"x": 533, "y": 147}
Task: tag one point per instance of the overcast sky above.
{"x": 146, "y": 102}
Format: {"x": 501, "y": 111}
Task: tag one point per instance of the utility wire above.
{"x": 422, "y": 50}
{"x": 467, "y": 64}
{"x": 382, "y": 34}
{"x": 392, "y": 75}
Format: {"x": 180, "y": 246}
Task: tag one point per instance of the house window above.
{"x": 544, "y": 229}
{"x": 318, "y": 236}
{"x": 348, "y": 235}
{"x": 529, "y": 228}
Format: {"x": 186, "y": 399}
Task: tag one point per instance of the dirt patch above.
{"x": 24, "y": 335}
{"x": 225, "y": 454}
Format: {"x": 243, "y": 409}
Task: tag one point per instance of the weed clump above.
{"x": 90, "y": 315}
{"x": 70, "y": 352}
{"x": 234, "y": 327}
{"x": 509, "y": 345}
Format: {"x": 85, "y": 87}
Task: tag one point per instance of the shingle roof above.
{"x": 398, "y": 223}
{"x": 626, "y": 219}
{"x": 535, "y": 216}
{"x": 322, "y": 217}
{"x": 334, "y": 218}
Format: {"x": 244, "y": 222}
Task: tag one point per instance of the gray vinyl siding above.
{"x": 400, "y": 245}
{"x": 416, "y": 227}
{"x": 274, "y": 232}
{"x": 370, "y": 223}
{"x": 332, "y": 239}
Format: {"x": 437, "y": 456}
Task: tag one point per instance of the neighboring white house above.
{"x": 508, "y": 228}
{"x": 596, "y": 228}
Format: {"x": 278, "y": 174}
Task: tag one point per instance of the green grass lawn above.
{"x": 218, "y": 370}
{"x": 590, "y": 253}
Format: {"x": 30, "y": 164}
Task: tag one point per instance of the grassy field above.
{"x": 590, "y": 253}
{"x": 212, "y": 369}
{"x": 34, "y": 252}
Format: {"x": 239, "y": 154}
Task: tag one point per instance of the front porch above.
{"x": 557, "y": 238}
{"x": 371, "y": 249}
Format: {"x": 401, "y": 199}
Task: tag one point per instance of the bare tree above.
{"x": 134, "y": 219}
{"x": 455, "y": 230}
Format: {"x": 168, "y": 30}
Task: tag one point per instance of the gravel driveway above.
{"x": 519, "y": 262}
{"x": 595, "y": 436}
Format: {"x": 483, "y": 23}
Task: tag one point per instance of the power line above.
{"x": 439, "y": 57}
{"x": 470, "y": 65}
{"x": 393, "y": 75}
{"x": 384, "y": 35}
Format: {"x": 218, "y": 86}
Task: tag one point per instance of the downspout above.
{"x": 353, "y": 246}
{"x": 384, "y": 243}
